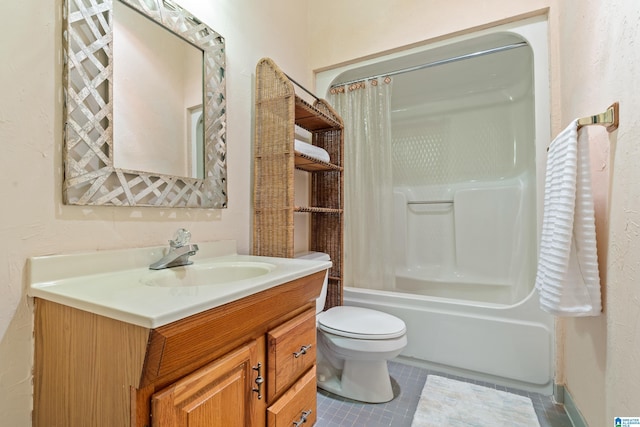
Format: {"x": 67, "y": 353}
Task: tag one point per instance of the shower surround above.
{"x": 469, "y": 129}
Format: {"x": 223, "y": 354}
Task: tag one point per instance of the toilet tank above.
{"x": 318, "y": 256}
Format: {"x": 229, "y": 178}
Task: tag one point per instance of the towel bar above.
{"x": 609, "y": 118}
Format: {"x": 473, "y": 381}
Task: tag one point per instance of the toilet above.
{"x": 354, "y": 345}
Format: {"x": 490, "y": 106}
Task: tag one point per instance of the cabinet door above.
{"x": 219, "y": 394}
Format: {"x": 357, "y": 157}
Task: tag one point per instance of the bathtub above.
{"x": 467, "y": 206}
{"x": 510, "y": 346}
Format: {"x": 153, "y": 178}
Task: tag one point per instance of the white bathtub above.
{"x": 510, "y": 345}
{"x": 467, "y": 216}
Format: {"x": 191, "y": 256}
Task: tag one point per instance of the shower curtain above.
{"x": 365, "y": 108}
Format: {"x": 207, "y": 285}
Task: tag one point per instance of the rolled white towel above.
{"x": 312, "y": 151}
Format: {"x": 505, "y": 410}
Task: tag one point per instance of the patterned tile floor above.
{"x": 408, "y": 381}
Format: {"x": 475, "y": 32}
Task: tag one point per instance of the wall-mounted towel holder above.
{"x": 609, "y": 118}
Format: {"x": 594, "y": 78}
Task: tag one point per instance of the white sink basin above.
{"x": 119, "y": 284}
{"x": 213, "y": 273}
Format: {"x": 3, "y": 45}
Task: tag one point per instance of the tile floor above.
{"x": 408, "y": 381}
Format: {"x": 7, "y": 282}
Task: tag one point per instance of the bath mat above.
{"x": 447, "y": 402}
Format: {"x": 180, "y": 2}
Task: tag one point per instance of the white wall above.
{"x": 342, "y": 32}
{"x": 599, "y": 63}
{"x": 33, "y": 220}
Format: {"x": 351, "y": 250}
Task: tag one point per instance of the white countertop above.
{"x": 113, "y": 283}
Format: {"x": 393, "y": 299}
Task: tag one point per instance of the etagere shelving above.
{"x": 278, "y": 111}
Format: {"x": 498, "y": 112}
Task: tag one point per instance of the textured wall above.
{"x": 600, "y": 63}
{"x": 33, "y": 220}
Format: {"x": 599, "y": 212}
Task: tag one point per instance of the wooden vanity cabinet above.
{"x": 233, "y": 365}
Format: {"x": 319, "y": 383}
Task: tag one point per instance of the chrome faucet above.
{"x": 179, "y": 251}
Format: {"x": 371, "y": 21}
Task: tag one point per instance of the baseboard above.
{"x": 571, "y": 409}
{"x": 558, "y": 393}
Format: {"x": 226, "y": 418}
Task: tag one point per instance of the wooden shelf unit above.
{"x": 278, "y": 111}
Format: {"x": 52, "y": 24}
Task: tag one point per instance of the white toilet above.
{"x": 354, "y": 345}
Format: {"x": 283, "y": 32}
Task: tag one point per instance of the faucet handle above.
{"x": 181, "y": 238}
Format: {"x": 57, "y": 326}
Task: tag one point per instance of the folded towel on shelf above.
{"x": 567, "y": 280}
{"x": 312, "y": 151}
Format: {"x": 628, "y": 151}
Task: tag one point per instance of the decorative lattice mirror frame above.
{"x": 90, "y": 177}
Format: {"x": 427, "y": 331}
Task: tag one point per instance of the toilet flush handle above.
{"x": 303, "y": 350}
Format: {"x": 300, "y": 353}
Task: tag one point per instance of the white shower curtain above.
{"x": 369, "y": 252}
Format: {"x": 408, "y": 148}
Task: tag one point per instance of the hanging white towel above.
{"x": 568, "y": 281}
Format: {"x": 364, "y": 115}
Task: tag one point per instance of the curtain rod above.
{"x": 439, "y": 62}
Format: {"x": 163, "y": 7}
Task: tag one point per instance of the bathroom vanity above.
{"x": 247, "y": 362}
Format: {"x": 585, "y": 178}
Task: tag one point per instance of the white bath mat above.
{"x": 447, "y": 402}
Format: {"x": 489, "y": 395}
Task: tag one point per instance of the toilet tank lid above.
{"x": 316, "y": 256}
{"x": 360, "y": 322}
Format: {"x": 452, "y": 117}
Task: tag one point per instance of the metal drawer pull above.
{"x": 303, "y": 350}
{"x": 303, "y": 418}
{"x": 259, "y": 380}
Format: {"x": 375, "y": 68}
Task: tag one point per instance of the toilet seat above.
{"x": 360, "y": 323}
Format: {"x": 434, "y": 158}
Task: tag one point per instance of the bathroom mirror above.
{"x": 105, "y": 163}
{"x": 151, "y": 129}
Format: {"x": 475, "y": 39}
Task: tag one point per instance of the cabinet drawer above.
{"x": 291, "y": 352}
{"x": 296, "y": 405}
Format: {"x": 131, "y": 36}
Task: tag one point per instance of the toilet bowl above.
{"x": 354, "y": 345}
